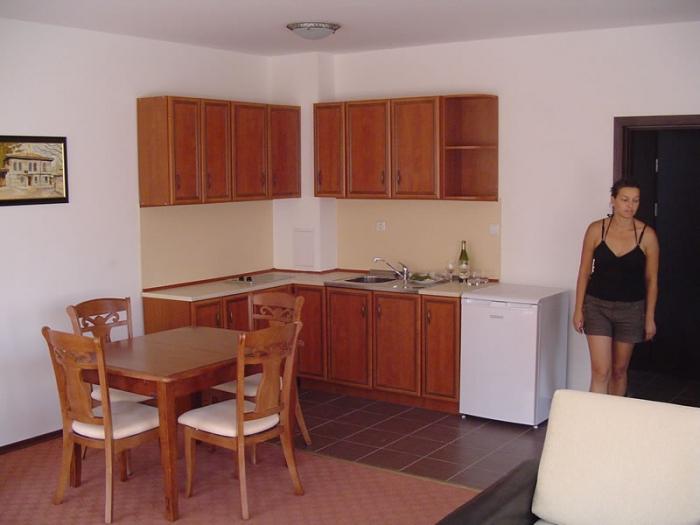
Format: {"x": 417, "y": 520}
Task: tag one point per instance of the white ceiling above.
{"x": 258, "y": 26}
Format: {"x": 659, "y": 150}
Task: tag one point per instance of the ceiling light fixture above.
{"x": 313, "y": 30}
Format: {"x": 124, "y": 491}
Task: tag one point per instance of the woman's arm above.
{"x": 584, "y": 272}
{"x": 650, "y": 246}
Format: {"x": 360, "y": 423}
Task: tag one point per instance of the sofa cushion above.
{"x": 609, "y": 459}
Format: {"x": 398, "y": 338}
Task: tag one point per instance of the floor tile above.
{"x": 422, "y": 414}
{"x": 350, "y": 403}
{"x": 524, "y": 446}
{"x": 362, "y": 417}
{"x": 499, "y": 462}
{"x": 317, "y": 442}
{"x": 438, "y": 432}
{"x": 433, "y": 468}
{"x": 460, "y": 453}
{"x": 400, "y": 425}
{"x": 415, "y": 445}
{"x": 466, "y": 425}
{"x": 476, "y": 478}
{"x": 318, "y": 396}
{"x": 325, "y": 411}
{"x": 347, "y": 450}
{"x": 336, "y": 430}
{"x": 374, "y": 438}
{"x": 313, "y": 421}
{"x": 387, "y": 409}
{"x": 389, "y": 459}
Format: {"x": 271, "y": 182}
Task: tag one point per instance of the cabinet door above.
{"x": 311, "y": 350}
{"x": 207, "y": 313}
{"x": 397, "y": 343}
{"x": 216, "y": 151}
{"x": 285, "y": 151}
{"x": 237, "y": 312}
{"x": 441, "y": 333}
{"x": 349, "y": 336}
{"x": 367, "y": 141}
{"x": 329, "y": 150}
{"x": 414, "y": 139}
{"x": 184, "y": 133}
{"x": 249, "y": 132}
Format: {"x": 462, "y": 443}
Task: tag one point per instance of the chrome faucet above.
{"x": 402, "y": 274}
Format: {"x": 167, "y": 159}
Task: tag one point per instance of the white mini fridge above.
{"x": 513, "y": 351}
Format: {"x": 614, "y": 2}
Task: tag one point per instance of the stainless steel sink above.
{"x": 370, "y": 279}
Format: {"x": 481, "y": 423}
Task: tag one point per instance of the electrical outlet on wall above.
{"x": 381, "y": 226}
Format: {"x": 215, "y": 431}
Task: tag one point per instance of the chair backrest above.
{"x": 71, "y": 355}
{"x": 274, "y": 308}
{"x": 100, "y": 316}
{"x": 273, "y": 349}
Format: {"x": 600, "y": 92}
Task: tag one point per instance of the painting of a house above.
{"x": 32, "y": 170}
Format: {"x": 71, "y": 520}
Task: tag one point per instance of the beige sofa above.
{"x": 606, "y": 460}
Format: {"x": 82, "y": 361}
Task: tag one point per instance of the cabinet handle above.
{"x": 230, "y": 317}
{"x": 398, "y": 177}
{"x": 382, "y": 177}
{"x": 379, "y": 311}
{"x": 363, "y": 310}
{"x": 429, "y": 316}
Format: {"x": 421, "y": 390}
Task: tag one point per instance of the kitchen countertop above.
{"x": 263, "y": 281}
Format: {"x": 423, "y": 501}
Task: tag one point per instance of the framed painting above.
{"x": 33, "y": 170}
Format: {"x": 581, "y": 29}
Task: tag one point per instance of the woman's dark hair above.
{"x": 623, "y": 183}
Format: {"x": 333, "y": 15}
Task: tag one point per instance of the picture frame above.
{"x": 33, "y": 170}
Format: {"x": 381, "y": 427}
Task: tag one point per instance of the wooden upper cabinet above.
{"x": 367, "y": 143}
{"x": 329, "y": 150}
{"x": 284, "y": 124}
{"x": 397, "y": 343}
{"x": 249, "y": 135}
{"x": 415, "y": 147}
{"x": 216, "y": 151}
{"x": 184, "y": 115}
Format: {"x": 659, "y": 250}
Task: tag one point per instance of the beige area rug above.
{"x": 337, "y": 492}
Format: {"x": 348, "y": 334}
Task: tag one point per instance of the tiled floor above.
{"x": 473, "y": 452}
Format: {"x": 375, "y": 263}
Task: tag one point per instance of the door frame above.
{"x": 623, "y": 126}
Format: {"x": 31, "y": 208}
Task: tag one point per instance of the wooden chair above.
{"x": 270, "y": 309}
{"x": 116, "y": 428}
{"x": 238, "y": 423}
{"x": 99, "y": 317}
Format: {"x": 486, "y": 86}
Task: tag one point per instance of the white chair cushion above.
{"x": 609, "y": 459}
{"x": 128, "y": 419}
{"x": 118, "y": 396}
{"x": 220, "y": 418}
{"x": 250, "y": 385}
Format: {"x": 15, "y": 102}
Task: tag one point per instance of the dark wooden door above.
{"x": 367, "y": 142}
{"x": 329, "y": 149}
{"x": 207, "y": 313}
{"x": 285, "y": 151}
{"x": 349, "y": 336}
{"x": 216, "y": 151}
{"x": 415, "y": 155}
{"x": 184, "y": 132}
{"x": 311, "y": 348}
{"x": 249, "y": 133}
{"x": 397, "y": 342}
{"x": 441, "y": 333}
{"x": 237, "y": 312}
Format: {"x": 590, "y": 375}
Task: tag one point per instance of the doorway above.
{"x": 662, "y": 154}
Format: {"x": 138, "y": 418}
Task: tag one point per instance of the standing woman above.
{"x": 616, "y": 289}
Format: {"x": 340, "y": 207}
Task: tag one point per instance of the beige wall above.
{"x": 425, "y": 235}
{"x": 191, "y": 243}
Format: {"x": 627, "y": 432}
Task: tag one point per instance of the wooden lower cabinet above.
{"x": 237, "y": 312}
{"x": 349, "y": 336}
{"x": 441, "y": 343}
{"x": 207, "y": 313}
{"x": 397, "y": 343}
{"x": 311, "y": 348}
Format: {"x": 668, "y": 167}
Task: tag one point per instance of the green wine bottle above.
{"x": 463, "y": 256}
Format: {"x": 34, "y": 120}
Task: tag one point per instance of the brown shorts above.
{"x": 623, "y": 321}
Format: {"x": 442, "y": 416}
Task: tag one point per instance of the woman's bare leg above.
{"x": 621, "y": 355}
{"x": 600, "y": 348}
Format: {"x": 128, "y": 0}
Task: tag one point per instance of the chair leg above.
{"x": 302, "y": 424}
{"x": 190, "y": 448}
{"x": 253, "y": 451}
{"x": 66, "y": 470}
{"x": 288, "y": 449}
{"x": 109, "y": 486}
{"x": 124, "y": 465}
{"x": 76, "y": 466}
{"x": 242, "y": 480}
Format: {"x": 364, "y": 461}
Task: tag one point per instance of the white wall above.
{"x": 558, "y": 95}
{"x": 82, "y": 85}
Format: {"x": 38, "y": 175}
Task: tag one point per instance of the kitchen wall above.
{"x": 84, "y": 85}
{"x": 558, "y": 95}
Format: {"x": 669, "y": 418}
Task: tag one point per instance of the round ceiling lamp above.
{"x": 313, "y": 30}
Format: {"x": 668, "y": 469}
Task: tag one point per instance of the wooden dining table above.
{"x": 169, "y": 365}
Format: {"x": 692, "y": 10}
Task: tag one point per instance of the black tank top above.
{"x": 618, "y": 278}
